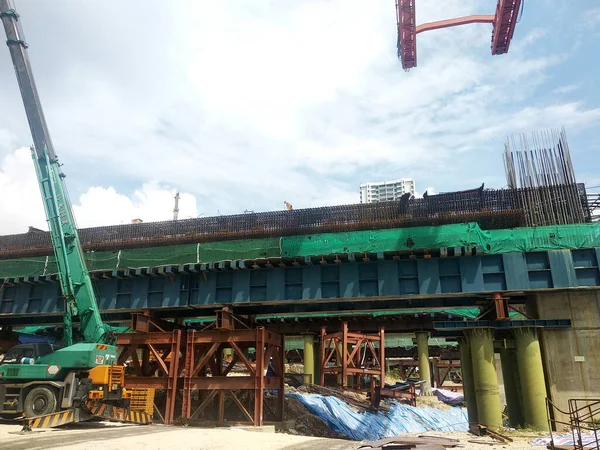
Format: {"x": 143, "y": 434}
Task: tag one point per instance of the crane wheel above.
{"x": 40, "y": 401}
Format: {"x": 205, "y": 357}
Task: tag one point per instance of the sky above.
{"x": 244, "y": 104}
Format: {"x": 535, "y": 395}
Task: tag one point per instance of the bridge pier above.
{"x": 489, "y": 410}
{"x": 531, "y": 374}
{"x": 341, "y": 380}
{"x": 309, "y": 358}
{"x": 512, "y": 386}
{"x": 466, "y": 367}
{"x": 424, "y": 368}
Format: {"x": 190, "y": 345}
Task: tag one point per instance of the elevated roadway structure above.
{"x": 456, "y": 281}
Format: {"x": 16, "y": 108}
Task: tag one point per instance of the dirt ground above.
{"x": 118, "y": 437}
{"x": 106, "y": 436}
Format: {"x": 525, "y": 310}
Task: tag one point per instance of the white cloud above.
{"x": 7, "y": 139}
{"x": 98, "y": 206}
{"x": 591, "y": 18}
{"x": 21, "y": 204}
{"x": 567, "y": 89}
{"x": 246, "y": 104}
{"x": 152, "y": 202}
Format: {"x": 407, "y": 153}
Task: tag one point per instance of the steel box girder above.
{"x": 503, "y": 21}
{"x": 436, "y": 282}
{"x": 504, "y": 25}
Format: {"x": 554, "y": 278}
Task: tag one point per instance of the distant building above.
{"x": 386, "y": 190}
{"x": 136, "y": 221}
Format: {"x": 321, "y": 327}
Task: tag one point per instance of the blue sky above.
{"x": 244, "y": 104}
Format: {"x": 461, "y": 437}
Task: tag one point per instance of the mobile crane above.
{"x": 47, "y": 385}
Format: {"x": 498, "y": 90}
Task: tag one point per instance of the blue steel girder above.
{"x": 359, "y": 285}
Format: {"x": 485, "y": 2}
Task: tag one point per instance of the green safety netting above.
{"x": 458, "y": 235}
{"x": 399, "y": 239}
{"x": 374, "y": 241}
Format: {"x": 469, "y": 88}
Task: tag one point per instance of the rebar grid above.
{"x": 492, "y": 209}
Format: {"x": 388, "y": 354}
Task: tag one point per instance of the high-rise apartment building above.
{"x": 386, "y": 190}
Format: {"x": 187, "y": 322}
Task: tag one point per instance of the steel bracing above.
{"x": 351, "y": 354}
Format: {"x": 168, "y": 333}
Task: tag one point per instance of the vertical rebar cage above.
{"x": 538, "y": 165}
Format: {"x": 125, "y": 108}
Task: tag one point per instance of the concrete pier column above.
{"x": 533, "y": 382}
{"x": 424, "y": 368}
{"x": 317, "y": 361}
{"x": 309, "y": 359}
{"x": 489, "y": 410}
{"x": 350, "y": 378}
{"x": 512, "y": 386}
{"x": 466, "y": 369}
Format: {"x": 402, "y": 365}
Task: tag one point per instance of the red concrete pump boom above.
{"x": 503, "y": 22}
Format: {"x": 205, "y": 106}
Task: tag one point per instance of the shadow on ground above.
{"x": 85, "y": 433}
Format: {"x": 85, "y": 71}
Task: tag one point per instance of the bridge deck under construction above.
{"x": 491, "y": 209}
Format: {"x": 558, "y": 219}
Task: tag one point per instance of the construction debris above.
{"x": 355, "y": 399}
{"x": 587, "y": 440}
{"x": 401, "y": 391}
{"x": 417, "y": 442}
{"x": 485, "y": 431}
{"x": 299, "y": 420}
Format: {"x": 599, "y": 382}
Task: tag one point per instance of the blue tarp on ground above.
{"x": 373, "y": 426}
{"x": 588, "y": 440}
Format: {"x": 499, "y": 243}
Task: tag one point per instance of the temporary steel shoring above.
{"x": 362, "y": 359}
{"x": 161, "y": 345}
{"x": 442, "y": 371}
{"x": 206, "y": 370}
{"x": 195, "y": 361}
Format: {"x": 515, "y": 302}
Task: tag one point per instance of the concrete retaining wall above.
{"x": 571, "y": 357}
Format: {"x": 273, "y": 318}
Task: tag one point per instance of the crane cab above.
{"x": 27, "y": 353}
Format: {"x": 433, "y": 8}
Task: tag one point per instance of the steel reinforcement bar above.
{"x": 492, "y": 209}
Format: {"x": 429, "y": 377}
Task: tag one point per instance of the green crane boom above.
{"x": 81, "y": 380}
{"x": 73, "y": 273}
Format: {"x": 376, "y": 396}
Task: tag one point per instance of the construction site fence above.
{"x": 491, "y": 209}
{"x": 530, "y": 239}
